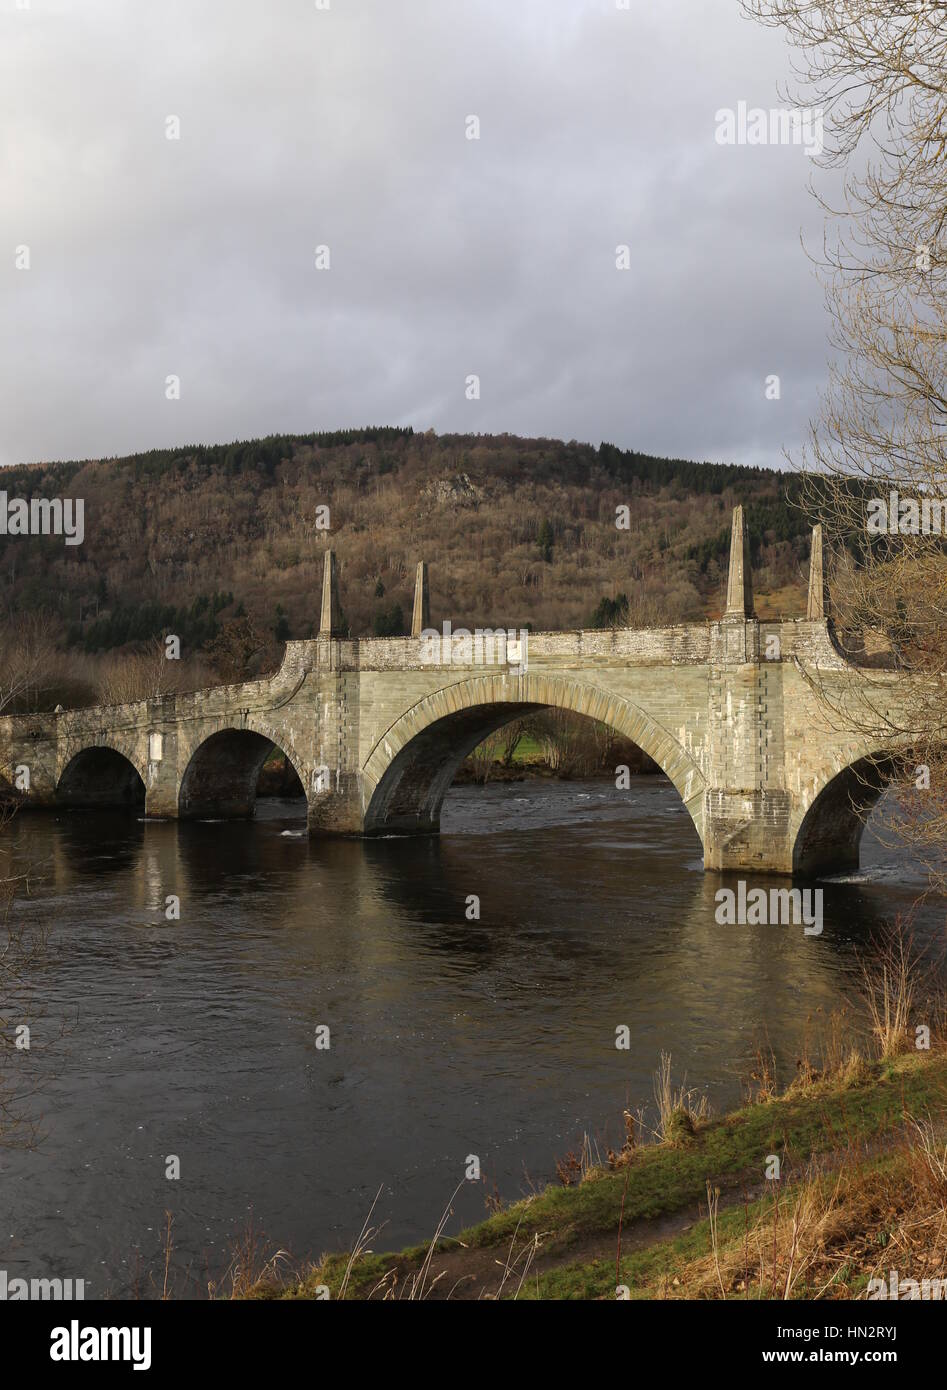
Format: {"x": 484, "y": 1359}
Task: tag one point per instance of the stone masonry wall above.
{"x": 730, "y": 710}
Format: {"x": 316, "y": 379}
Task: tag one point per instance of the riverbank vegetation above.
{"x": 812, "y": 1188}
{"x": 554, "y": 743}
{"x": 862, "y": 1182}
{"x": 693, "y": 1216}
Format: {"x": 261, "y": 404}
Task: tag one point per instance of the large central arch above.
{"x": 408, "y": 771}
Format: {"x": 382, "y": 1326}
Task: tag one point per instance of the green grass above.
{"x": 651, "y": 1271}
{"x": 665, "y": 1179}
{"x": 529, "y": 750}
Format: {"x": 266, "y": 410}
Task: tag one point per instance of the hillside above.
{"x": 517, "y": 532}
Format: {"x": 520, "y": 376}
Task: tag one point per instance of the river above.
{"x": 449, "y": 1037}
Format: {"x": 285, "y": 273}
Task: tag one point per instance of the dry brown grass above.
{"x": 760, "y": 1084}
{"x": 900, "y": 988}
{"x": 797, "y": 1243}
{"x": 254, "y": 1268}
{"x": 890, "y": 981}
{"x": 843, "y": 1222}
{"x": 577, "y": 1167}
{"x": 680, "y": 1111}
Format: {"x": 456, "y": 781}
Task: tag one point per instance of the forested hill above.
{"x": 516, "y": 531}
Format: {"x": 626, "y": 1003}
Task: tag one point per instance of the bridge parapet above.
{"x": 693, "y": 644}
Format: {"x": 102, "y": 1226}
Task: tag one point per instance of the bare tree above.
{"x": 239, "y": 651}
{"x": 876, "y": 70}
{"x": 483, "y": 757}
{"x": 140, "y": 675}
{"x": 147, "y": 673}
{"x": 26, "y": 659}
{"x": 510, "y": 737}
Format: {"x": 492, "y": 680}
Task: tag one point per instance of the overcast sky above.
{"x": 347, "y": 127}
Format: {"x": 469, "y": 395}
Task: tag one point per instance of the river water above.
{"x": 448, "y": 1037}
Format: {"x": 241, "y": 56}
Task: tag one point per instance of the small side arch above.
{"x": 101, "y": 775}
{"x": 221, "y": 776}
{"x": 828, "y": 834}
{"x": 406, "y": 775}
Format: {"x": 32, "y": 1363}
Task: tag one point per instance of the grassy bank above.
{"x": 862, "y": 1186}
{"x": 555, "y": 743}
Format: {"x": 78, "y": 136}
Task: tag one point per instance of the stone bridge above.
{"x": 746, "y": 717}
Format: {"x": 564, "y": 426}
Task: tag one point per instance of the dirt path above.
{"x": 497, "y": 1271}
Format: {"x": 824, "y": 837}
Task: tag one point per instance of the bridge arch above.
{"x": 221, "y": 776}
{"x": 827, "y": 836}
{"x": 101, "y": 775}
{"x": 408, "y": 771}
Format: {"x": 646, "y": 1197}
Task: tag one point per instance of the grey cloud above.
{"x": 449, "y": 257}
